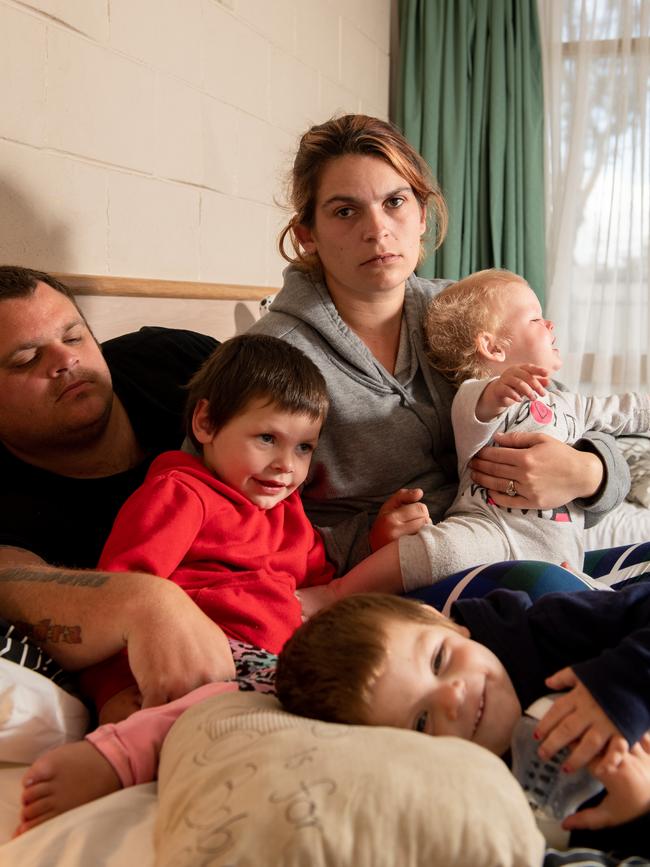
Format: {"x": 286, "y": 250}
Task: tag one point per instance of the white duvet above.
{"x": 115, "y": 831}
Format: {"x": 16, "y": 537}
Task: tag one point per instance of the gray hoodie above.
{"x": 383, "y": 431}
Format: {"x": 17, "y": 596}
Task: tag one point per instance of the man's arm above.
{"x": 80, "y": 617}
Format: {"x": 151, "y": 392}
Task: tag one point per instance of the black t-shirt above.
{"x": 66, "y": 521}
{"x": 604, "y": 636}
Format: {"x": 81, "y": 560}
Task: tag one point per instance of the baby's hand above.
{"x": 628, "y": 790}
{"x": 401, "y": 515}
{"x": 514, "y": 384}
{"x": 576, "y": 718}
{"x": 312, "y": 599}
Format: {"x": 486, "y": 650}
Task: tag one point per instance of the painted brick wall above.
{"x": 150, "y": 138}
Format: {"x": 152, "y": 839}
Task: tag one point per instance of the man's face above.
{"x": 438, "y": 681}
{"x": 55, "y": 387}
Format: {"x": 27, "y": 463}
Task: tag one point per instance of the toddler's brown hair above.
{"x": 328, "y": 667}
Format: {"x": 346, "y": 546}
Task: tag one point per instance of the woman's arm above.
{"x": 548, "y": 473}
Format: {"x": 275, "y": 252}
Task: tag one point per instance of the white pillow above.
{"x": 35, "y": 714}
{"x": 243, "y": 782}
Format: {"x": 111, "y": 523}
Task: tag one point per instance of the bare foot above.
{"x": 64, "y": 778}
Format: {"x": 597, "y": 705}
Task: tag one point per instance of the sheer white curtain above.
{"x": 597, "y": 116}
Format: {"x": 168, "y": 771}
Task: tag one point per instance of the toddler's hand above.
{"x": 576, "y": 718}
{"x": 120, "y": 705}
{"x": 514, "y": 384}
{"x": 628, "y": 790}
{"x": 401, "y": 515}
{"x": 312, "y": 599}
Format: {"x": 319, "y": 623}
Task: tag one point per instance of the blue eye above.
{"x": 305, "y": 448}
{"x": 421, "y": 721}
{"x": 266, "y": 438}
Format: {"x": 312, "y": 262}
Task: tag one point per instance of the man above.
{"x": 78, "y": 430}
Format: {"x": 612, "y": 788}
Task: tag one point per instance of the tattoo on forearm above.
{"x": 47, "y": 632}
{"x": 53, "y": 576}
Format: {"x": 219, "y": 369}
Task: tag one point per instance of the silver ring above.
{"x": 511, "y": 490}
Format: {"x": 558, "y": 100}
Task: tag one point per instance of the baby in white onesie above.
{"x": 487, "y": 334}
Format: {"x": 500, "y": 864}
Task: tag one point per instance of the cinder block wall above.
{"x": 149, "y": 138}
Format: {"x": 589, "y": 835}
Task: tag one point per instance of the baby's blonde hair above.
{"x": 456, "y": 317}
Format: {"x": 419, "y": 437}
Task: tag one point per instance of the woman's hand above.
{"x": 401, "y": 515}
{"x": 628, "y": 790}
{"x": 547, "y": 473}
{"x": 576, "y": 718}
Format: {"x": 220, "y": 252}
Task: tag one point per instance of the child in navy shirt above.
{"x": 382, "y": 660}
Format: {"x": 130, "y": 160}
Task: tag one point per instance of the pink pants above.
{"x": 132, "y": 746}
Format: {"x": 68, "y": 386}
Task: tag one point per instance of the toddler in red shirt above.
{"x": 227, "y": 526}
{"x": 227, "y": 523}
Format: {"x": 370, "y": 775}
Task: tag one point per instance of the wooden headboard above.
{"x": 116, "y": 305}
{"x": 93, "y": 284}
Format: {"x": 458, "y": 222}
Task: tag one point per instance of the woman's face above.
{"x": 367, "y": 227}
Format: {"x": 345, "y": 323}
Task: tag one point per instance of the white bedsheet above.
{"x": 626, "y": 525}
{"x": 115, "y": 831}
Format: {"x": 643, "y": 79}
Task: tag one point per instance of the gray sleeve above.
{"x": 470, "y": 434}
{"x": 616, "y": 473}
{"x": 347, "y": 543}
{"x": 617, "y": 414}
{"x": 616, "y": 476}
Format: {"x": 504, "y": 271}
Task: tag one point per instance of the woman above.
{"x": 362, "y": 197}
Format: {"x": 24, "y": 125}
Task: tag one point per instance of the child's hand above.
{"x": 576, "y": 718}
{"x": 120, "y": 705}
{"x": 312, "y": 599}
{"x": 628, "y": 790}
{"x": 514, "y": 384}
{"x": 401, "y": 515}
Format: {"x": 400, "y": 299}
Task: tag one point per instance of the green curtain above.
{"x": 470, "y": 99}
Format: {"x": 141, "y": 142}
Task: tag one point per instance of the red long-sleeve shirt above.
{"x": 241, "y": 564}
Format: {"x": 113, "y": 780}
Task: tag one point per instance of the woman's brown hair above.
{"x": 354, "y": 134}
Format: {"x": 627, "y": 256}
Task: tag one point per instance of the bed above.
{"x": 242, "y": 782}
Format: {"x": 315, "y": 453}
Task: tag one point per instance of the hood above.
{"x": 305, "y": 299}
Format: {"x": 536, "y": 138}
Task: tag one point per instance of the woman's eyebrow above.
{"x": 338, "y": 197}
